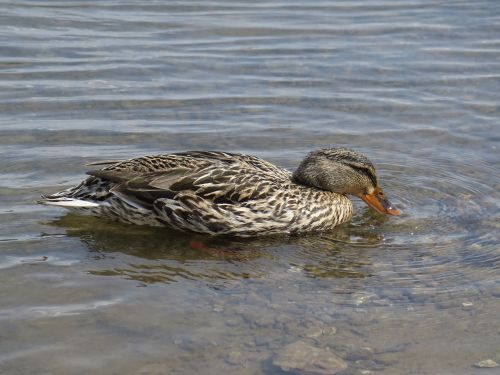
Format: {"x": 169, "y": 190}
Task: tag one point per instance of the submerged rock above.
{"x": 467, "y": 305}
{"x": 495, "y": 291}
{"x": 487, "y": 363}
{"x": 313, "y": 331}
{"x": 317, "y": 329}
{"x": 361, "y": 353}
{"x": 304, "y": 358}
{"x": 234, "y": 357}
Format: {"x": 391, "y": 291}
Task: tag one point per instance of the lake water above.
{"x": 414, "y": 85}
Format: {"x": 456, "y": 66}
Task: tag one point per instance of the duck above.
{"x": 224, "y": 193}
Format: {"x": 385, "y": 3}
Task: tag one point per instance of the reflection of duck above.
{"x": 160, "y": 255}
{"x": 155, "y": 243}
{"x": 224, "y": 193}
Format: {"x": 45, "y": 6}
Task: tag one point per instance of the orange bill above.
{"x": 380, "y": 203}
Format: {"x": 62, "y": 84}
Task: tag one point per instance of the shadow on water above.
{"x": 152, "y": 255}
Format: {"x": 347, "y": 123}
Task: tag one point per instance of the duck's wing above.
{"x": 103, "y": 162}
{"x": 191, "y": 160}
{"x": 244, "y": 161}
{"x": 216, "y": 183}
{"x": 213, "y": 176}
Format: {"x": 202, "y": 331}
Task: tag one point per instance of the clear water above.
{"x": 414, "y": 85}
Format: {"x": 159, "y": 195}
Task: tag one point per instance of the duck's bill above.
{"x": 380, "y": 204}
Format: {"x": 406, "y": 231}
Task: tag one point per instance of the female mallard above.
{"x": 225, "y": 193}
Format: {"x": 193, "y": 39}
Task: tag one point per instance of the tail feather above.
{"x": 66, "y": 202}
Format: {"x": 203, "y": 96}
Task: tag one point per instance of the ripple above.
{"x": 44, "y": 311}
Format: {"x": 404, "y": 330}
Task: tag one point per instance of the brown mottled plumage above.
{"x": 225, "y": 193}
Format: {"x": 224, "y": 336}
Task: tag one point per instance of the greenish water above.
{"x": 413, "y": 85}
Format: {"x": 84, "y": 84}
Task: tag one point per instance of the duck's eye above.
{"x": 381, "y": 194}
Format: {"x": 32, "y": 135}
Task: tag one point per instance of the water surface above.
{"x": 414, "y": 85}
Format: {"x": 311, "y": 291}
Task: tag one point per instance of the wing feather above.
{"x": 215, "y": 176}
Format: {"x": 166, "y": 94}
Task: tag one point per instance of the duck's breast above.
{"x": 319, "y": 210}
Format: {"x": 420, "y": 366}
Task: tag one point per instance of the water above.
{"x": 414, "y": 85}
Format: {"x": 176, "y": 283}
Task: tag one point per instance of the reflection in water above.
{"x": 164, "y": 255}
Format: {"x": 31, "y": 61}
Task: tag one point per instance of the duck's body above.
{"x": 209, "y": 192}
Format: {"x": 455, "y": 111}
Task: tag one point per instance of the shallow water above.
{"x": 414, "y": 85}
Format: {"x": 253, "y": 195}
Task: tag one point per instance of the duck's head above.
{"x": 344, "y": 171}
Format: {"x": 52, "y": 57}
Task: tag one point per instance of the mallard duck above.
{"x": 226, "y": 193}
